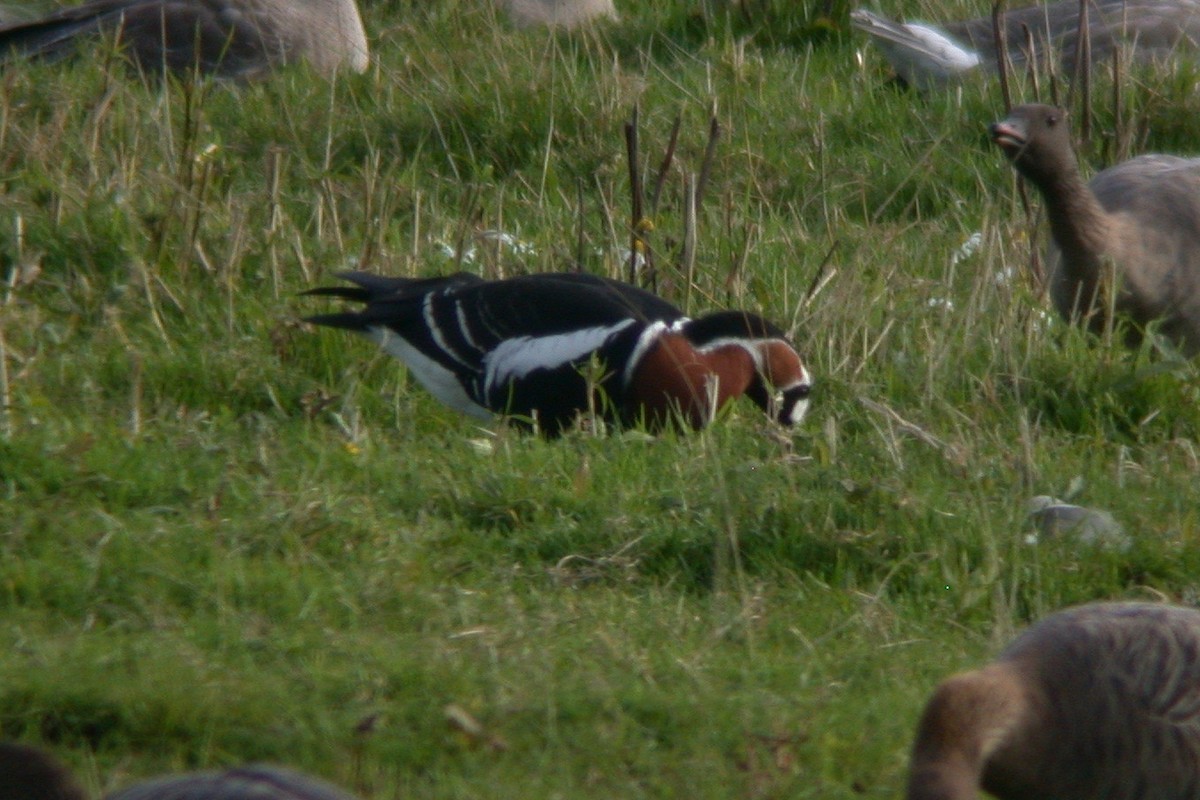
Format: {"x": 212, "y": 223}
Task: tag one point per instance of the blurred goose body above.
{"x": 27, "y": 773}
{"x": 546, "y": 348}
{"x": 226, "y": 38}
{"x": 558, "y": 13}
{"x": 1138, "y": 221}
{"x": 927, "y": 56}
{"x": 253, "y": 782}
{"x": 921, "y": 55}
{"x": 1054, "y": 519}
{"x": 1098, "y": 701}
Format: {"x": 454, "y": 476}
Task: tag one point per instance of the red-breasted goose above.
{"x": 521, "y": 347}
{"x": 1138, "y": 220}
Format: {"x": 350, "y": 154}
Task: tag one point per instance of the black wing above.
{"x": 648, "y": 305}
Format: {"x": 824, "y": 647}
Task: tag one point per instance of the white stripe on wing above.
{"x": 464, "y": 328}
{"x": 513, "y": 359}
{"x": 436, "y": 333}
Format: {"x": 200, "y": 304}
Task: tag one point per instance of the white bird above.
{"x": 922, "y": 56}
{"x": 926, "y": 56}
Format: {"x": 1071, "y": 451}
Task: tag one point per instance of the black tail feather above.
{"x": 373, "y": 288}
{"x": 345, "y": 292}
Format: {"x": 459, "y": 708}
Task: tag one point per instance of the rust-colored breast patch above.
{"x": 674, "y": 378}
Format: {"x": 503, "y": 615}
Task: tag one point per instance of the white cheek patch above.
{"x": 800, "y": 408}
{"x": 798, "y": 412}
{"x": 513, "y": 359}
{"x": 439, "y": 381}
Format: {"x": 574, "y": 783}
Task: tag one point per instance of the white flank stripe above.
{"x": 436, "y": 332}
{"x": 515, "y": 358}
{"x": 439, "y": 381}
{"x": 649, "y": 337}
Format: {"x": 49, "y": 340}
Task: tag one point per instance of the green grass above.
{"x": 225, "y": 536}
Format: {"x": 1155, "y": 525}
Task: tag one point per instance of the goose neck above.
{"x": 1078, "y": 222}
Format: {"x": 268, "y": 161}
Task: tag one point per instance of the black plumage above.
{"x": 544, "y": 348}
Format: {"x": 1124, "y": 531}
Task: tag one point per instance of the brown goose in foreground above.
{"x": 1098, "y": 701}
{"x": 227, "y": 38}
{"x": 1138, "y": 220}
{"x": 925, "y": 55}
{"x": 27, "y": 773}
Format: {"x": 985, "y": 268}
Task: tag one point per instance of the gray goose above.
{"x": 558, "y": 13}
{"x": 27, "y": 773}
{"x": 1139, "y": 219}
{"x": 1098, "y": 701}
{"x": 924, "y": 55}
{"x": 227, "y": 38}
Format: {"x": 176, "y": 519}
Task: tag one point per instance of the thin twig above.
{"x": 637, "y": 245}
{"x": 743, "y": 256}
{"x": 687, "y": 254}
{"x": 665, "y": 167}
{"x": 998, "y": 34}
{"x": 580, "y": 232}
{"x": 1078, "y": 62}
{"x": 710, "y": 152}
{"x": 819, "y": 279}
{"x": 1083, "y": 73}
{"x": 1119, "y": 136}
{"x": 947, "y": 450}
{"x": 1032, "y": 67}
{"x": 6, "y": 427}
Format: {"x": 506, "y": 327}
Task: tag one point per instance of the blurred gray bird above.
{"x": 237, "y": 39}
{"x": 921, "y": 55}
{"x": 1055, "y": 519}
{"x": 558, "y": 13}
{"x": 925, "y": 56}
{"x": 1098, "y": 701}
{"x": 27, "y": 773}
{"x": 1135, "y": 225}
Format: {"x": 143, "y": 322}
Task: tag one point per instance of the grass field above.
{"x": 227, "y": 536}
